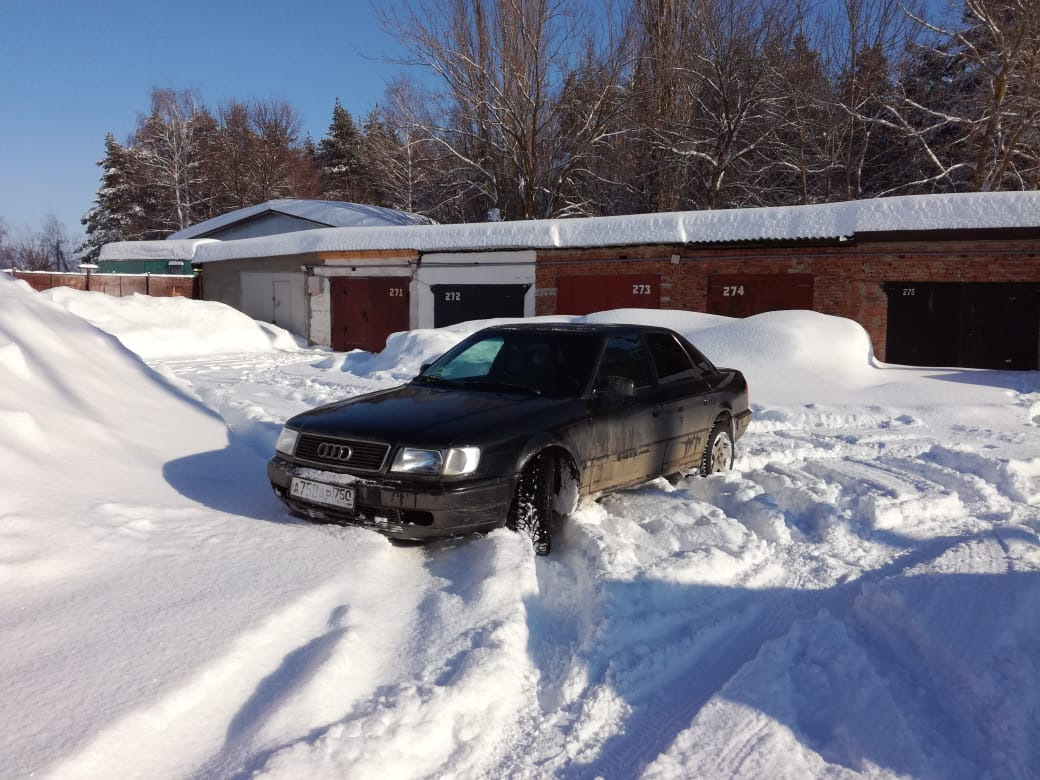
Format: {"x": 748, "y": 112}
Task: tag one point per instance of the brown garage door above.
{"x": 588, "y": 294}
{"x": 367, "y": 310}
{"x": 746, "y": 294}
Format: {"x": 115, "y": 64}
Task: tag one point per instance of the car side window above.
{"x": 671, "y": 360}
{"x": 625, "y": 357}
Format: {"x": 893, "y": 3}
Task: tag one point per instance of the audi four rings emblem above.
{"x": 334, "y": 451}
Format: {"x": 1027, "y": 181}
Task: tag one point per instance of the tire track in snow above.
{"x": 883, "y": 478}
{"x": 452, "y": 702}
{"x": 706, "y": 651}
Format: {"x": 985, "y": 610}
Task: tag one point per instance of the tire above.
{"x": 719, "y": 452}
{"x": 532, "y": 508}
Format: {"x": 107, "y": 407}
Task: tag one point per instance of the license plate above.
{"x": 320, "y": 493}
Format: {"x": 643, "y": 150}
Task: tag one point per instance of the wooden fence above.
{"x": 159, "y": 285}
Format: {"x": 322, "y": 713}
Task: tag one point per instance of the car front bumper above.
{"x": 403, "y": 509}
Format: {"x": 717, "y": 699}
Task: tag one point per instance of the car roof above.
{"x": 575, "y": 327}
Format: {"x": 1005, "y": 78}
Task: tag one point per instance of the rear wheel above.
{"x": 532, "y": 508}
{"x": 718, "y": 454}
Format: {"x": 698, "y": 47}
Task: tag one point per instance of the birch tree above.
{"x": 170, "y": 141}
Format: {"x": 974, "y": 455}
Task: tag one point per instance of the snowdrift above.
{"x": 858, "y": 599}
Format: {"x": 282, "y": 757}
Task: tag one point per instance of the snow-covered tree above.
{"x": 122, "y": 204}
{"x": 341, "y": 161}
{"x": 172, "y": 141}
{"x": 970, "y": 100}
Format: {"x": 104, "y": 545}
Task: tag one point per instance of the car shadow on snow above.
{"x": 921, "y": 675}
{"x": 233, "y": 479}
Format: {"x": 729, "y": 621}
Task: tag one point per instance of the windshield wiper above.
{"x": 433, "y": 379}
{"x": 495, "y": 385}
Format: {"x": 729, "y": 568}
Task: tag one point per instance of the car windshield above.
{"x": 552, "y": 363}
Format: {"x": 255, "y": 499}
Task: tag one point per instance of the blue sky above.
{"x": 73, "y": 70}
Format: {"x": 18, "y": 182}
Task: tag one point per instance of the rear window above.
{"x": 671, "y": 359}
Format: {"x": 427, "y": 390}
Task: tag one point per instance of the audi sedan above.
{"x": 513, "y": 426}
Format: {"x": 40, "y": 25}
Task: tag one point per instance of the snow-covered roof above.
{"x": 833, "y": 221}
{"x": 325, "y": 212}
{"x": 183, "y": 249}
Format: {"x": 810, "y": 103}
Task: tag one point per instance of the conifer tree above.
{"x": 340, "y": 161}
{"x": 122, "y": 203}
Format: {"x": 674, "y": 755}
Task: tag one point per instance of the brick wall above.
{"x": 847, "y": 277}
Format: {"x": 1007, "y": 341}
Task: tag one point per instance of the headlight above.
{"x": 452, "y": 462}
{"x": 286, "y": 441}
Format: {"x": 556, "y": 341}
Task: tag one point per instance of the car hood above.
{"x": 428, "y": 416}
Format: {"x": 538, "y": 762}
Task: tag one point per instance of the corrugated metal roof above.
{"x": 788, "y": 223}
{"x": 330, "y": 213}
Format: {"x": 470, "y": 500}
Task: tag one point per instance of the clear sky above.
{"x": 73, "y": 70}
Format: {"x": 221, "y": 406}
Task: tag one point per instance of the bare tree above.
{"x": 660, "y": 94}
{"x": 6, "y": 256}
{"x": 723, "y": 138}
{"x": 171, "y": 141}
{"x": 397, "y": 146}
{"x": 806, "y": 147}
{"x": 968, "y": 101}
{"x": 503, "y": 65}
{"x": 257, "y": 156}
{"x": 47, "y": 249}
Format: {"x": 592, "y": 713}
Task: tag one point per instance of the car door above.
{"x": 622, "y": 445}
{"x": 684, "y": 410}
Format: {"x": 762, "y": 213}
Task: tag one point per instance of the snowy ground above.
{"x": 861, "y": 598}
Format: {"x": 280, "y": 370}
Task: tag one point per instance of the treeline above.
{"x": 551, "y": 108}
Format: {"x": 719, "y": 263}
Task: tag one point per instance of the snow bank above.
{"x": 173, "y": 327}
{"x": 856, "y": 600}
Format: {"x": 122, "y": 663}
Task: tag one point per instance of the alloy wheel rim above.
{"x": 721, "y": 453}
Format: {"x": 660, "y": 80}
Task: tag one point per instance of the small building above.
{"x": 289, "y": 215}
{"x": 148, "y": 257}
{"x": 934, "y": 279}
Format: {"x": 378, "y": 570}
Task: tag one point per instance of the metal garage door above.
{"x": 588, "y": 294}
{"x": 454, "y": 303}
{"x": 367, "y": 310}
{"x": 970, "y": 324}
{"x": 746, "y": 294}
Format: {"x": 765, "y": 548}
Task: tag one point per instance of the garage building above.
{"x": 935, "y": 280}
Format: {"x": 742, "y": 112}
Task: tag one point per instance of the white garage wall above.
{"x": 470, "y": 268}
{"x": 278, "y": 298}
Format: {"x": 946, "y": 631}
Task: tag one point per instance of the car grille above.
{"x": 346, "y": 454}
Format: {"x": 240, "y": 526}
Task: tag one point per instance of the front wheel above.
{"x": 718, "y": 454}
{"x": 531, "y": 511}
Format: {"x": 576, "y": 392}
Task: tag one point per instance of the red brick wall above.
{"x": 847, "y": 277}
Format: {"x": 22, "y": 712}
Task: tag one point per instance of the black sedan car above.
{"x": 512, "y": 427}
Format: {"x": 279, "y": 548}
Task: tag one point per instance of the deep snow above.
{"x": 860, "y": 598}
